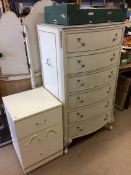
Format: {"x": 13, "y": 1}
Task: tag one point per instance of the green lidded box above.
{"x": 72, "y": 14}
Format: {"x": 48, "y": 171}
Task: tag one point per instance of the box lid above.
{"x": 28, "y": 103}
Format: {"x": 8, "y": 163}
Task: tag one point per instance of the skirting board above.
{"x": 42, "y": 162}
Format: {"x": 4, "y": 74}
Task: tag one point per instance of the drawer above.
{"x": 92, "y": 97}
{"x": 93, "y": 40}
{"x": 90, "y": 126}
{"x": 90, "y": 112}
{"x": 38, "y": 122}
{"x": 41, "y": 145}
{"x": 81, "y": 83}
{"x": 81, "y": 64}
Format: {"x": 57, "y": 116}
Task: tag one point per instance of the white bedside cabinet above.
{"x": 35, "y": 122}
{"x": 80, "y": 67}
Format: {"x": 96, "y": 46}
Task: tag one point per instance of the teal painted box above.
{"x": 72, "y": 14}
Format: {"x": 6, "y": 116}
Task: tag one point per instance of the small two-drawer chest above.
{"x": 35, "y": 122}
{"x": 80, "y": 67}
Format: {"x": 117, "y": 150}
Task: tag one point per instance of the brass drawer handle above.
{"x": 105, "y": 118}
{"x": 40, "y": 123}
{"x": 107, "y": 104}
{"x": 80, "y": 63}
{"x": 80, "y": 115}
{"x": 80, "y": 41}
{"x": 115, "y": 37}
{"x": 81, "y": 83}
{"x": 80, "y": 129}
{"x": 113, "y": 58}
{"x": 80, "y": 100}
{"x": 111, "y": 74}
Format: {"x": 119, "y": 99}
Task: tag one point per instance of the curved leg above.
{"x": 108, "y": 126}
{"x": 65, "y": 150}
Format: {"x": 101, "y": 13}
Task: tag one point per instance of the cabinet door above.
{"x": 49, "y": 61}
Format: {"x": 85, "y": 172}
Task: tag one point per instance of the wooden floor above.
{"x": 103, "y": 153}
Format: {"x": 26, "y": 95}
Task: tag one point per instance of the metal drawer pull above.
{"x": 80, "y": 63}
{"x": 48, "y": 62}
{"x": 107, "y": 104}
{"x": 111, "y": 74}
{"x": 40, "y": 123}
{"x": 81, "y": 83}
{"x": 80, "y": 40}
{"x": 115, "y": 38}
{"x": 113, "y": 58}
{"x": 81, "y": 116}
{"x": 109, "y": 90}
{"x": 80, "y": 129}
{"x": 31, "y": 139}
{"x": 105, "y": 118}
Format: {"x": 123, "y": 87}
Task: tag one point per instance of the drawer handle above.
{"x": 80, "y": 100}
{"x": 107, "y": 104}
{"x": 31, "y": 139}
{"x": 81, "y": 83}
{"x": 40, "y": 123}
{"x": 111, "y": 74}
{"x": 80, "y": 41}
{"x": 48, "y": 62}
{"x": 115, "y": 37}
{"x": 80, "y": 63}
{"x": 105, "y": 118}
{"x": 81, "y": 116}
{"x": 80, "y": 129}
{"x": 113, "y": 58}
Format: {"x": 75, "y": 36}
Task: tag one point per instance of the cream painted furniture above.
{"x": 80, "y": 67}
{"x": 35, "y": 121}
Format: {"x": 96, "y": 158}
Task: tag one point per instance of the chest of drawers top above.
{"x": 29, "y": 103}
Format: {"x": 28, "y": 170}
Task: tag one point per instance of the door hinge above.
{"x": 61, "y": 39}
{"x": 24, "y": 34}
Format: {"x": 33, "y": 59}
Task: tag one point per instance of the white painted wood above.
{"x": 81, "y": 83}
{"x": 35, "y": 17}
{"x": 98, "y": 57}
{"x": 14, "y": 60}
{"x": 37, "y": 139}
{"x": 91, "y": 62}
{"x": 38, "y": 122}
{"x": 90, "y": 112}
{"x": 28, "y": 103}
{"x": 43, "y": 145}
{"x": 49, "y": 61}
{"x": 42, "y": 162}
{"x": 86, "y": 40}
{"x": 81, "y": 129}
{"x": 91, "y": 97}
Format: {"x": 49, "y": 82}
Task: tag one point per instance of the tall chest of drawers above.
{"x": 80, "y": 67}
{"x": 35, "y": 121}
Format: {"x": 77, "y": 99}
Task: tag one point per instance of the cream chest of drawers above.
{"x": 80, "y": 67}
{"x": 35, "y": 121}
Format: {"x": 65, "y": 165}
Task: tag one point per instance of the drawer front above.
{"x": 88, "y": 63}
{"x": 38, "y": 122}
{"x": 40, "y": 145}
{"x": 91, "y": 81}
{"x": 87, "y": 41}
{"x": 90, "y": 126}
{"x": 91, "y": 97}
{"x": 90, "y": 112}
